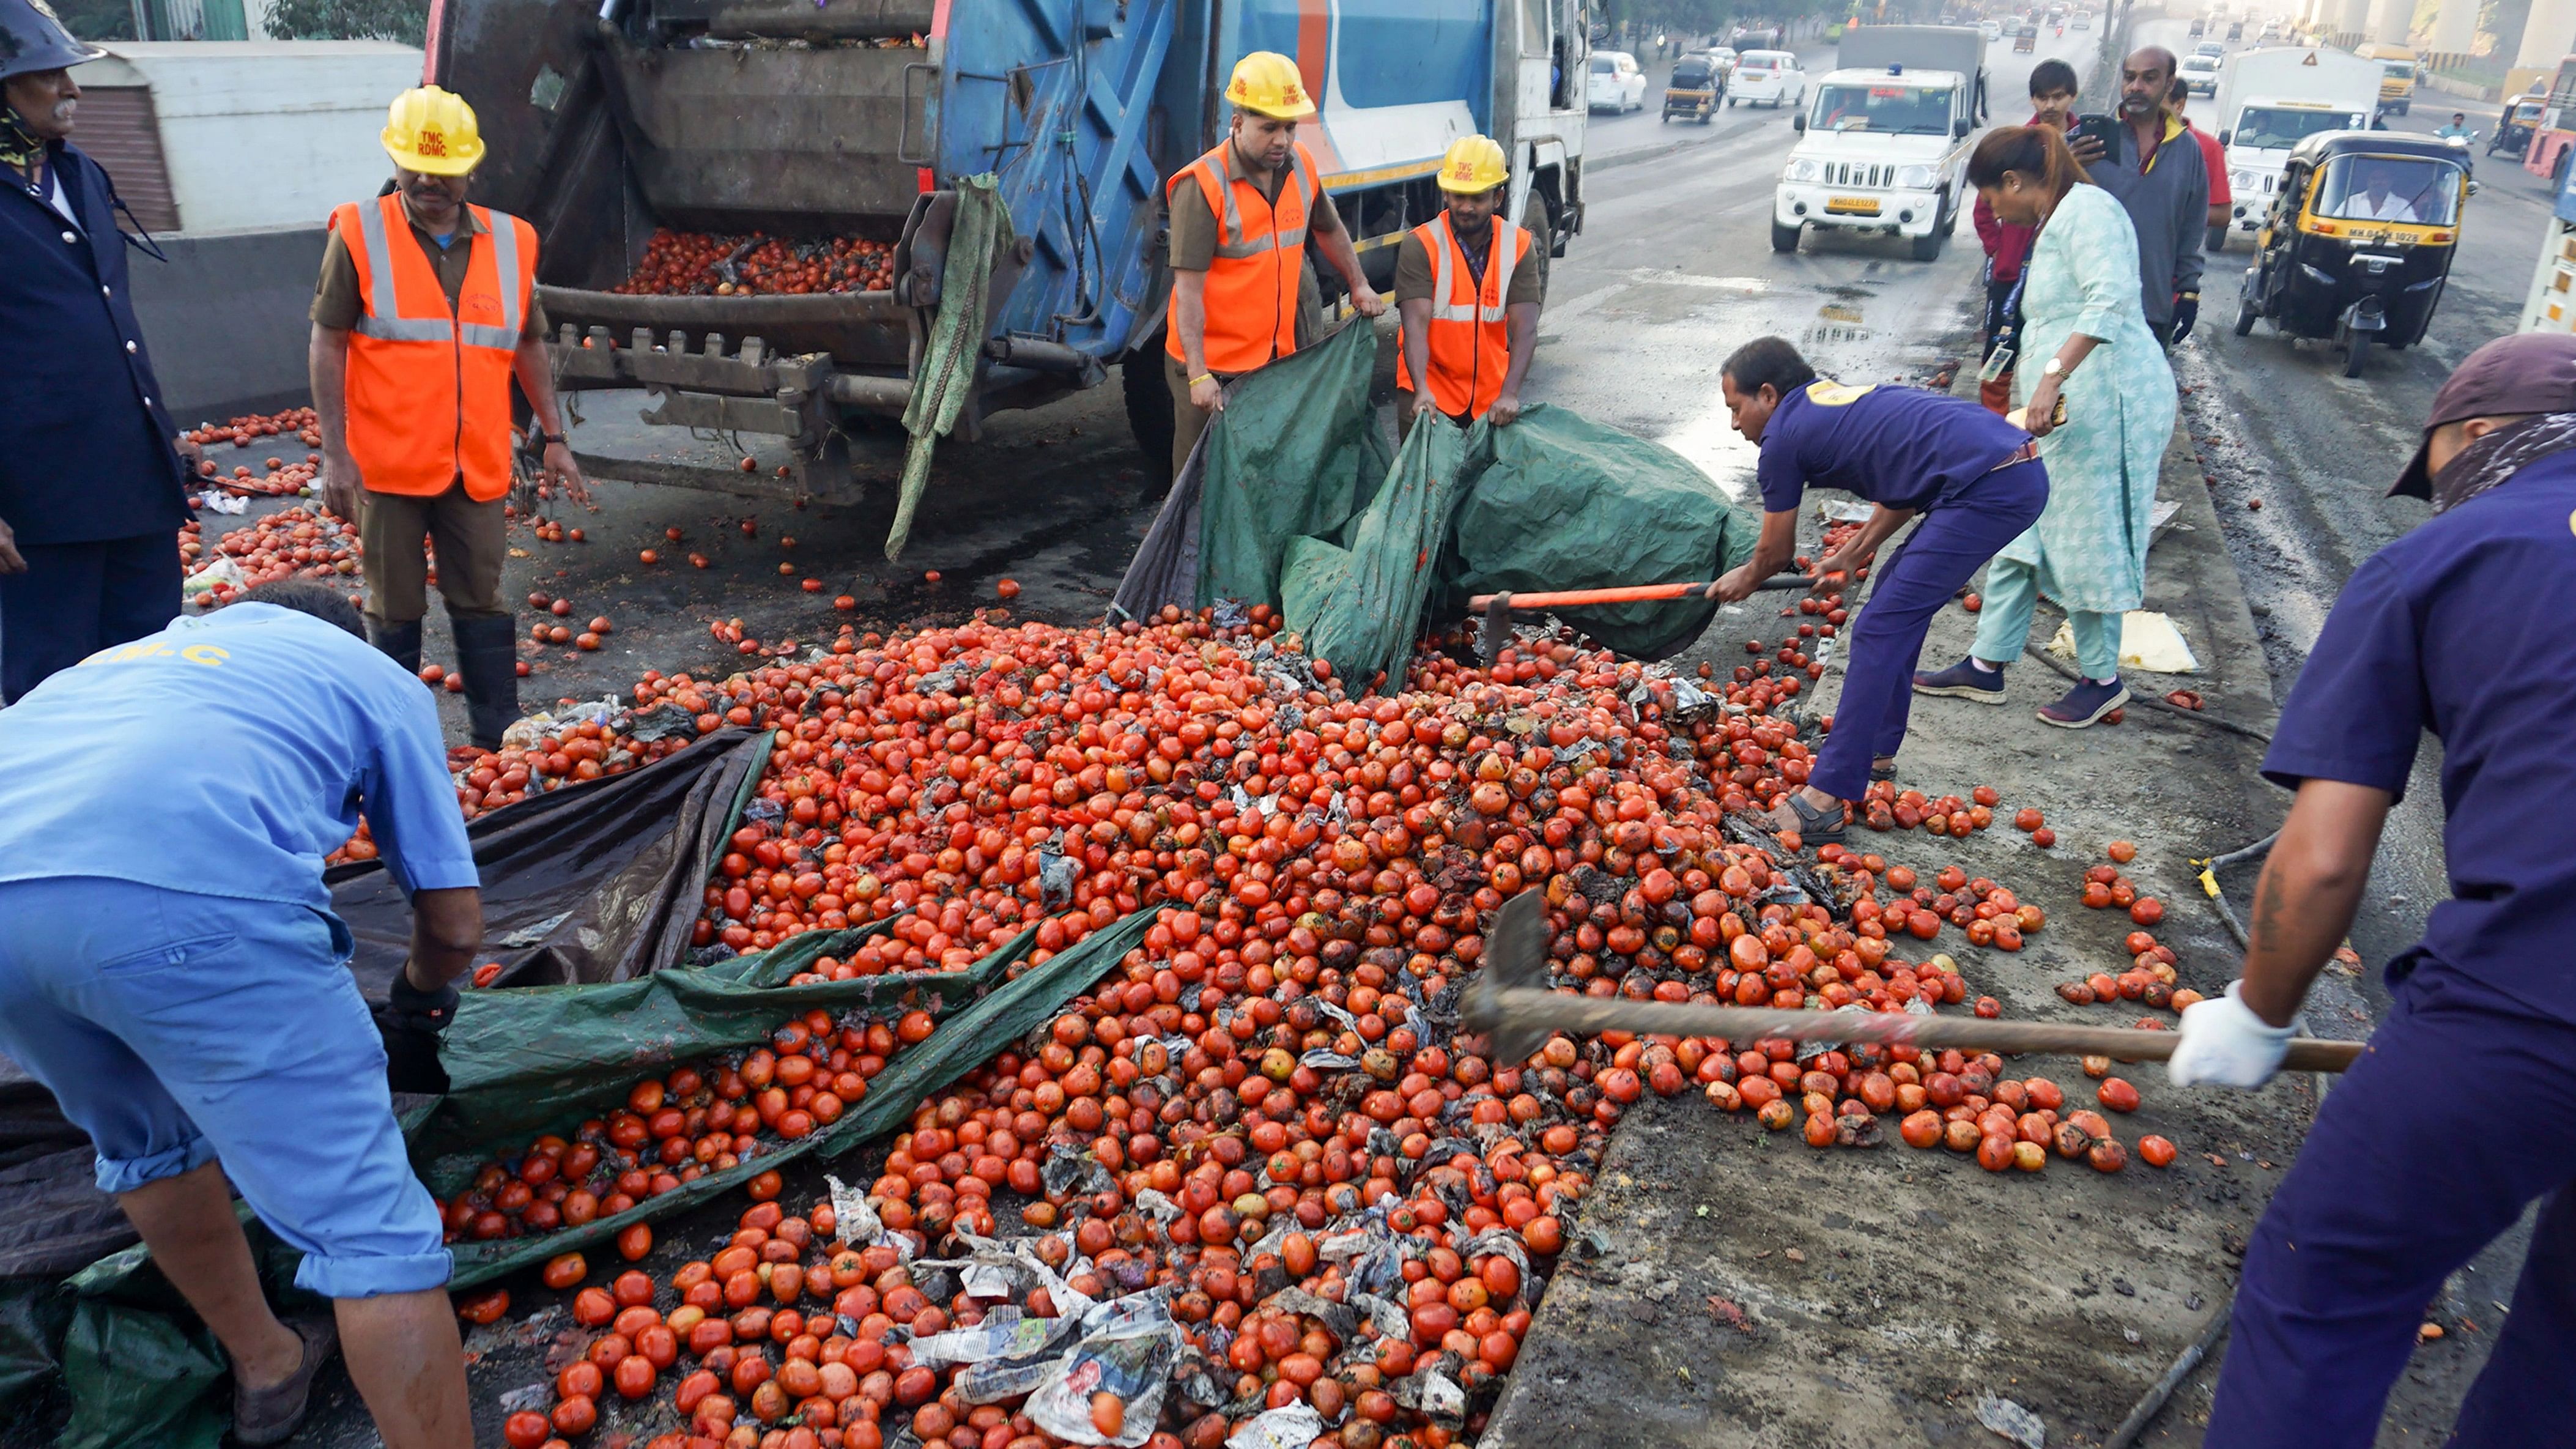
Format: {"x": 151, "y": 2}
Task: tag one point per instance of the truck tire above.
{"x": 1149, "y": 409}
{"x": 1534, "y": 220}
{"x": 2215, "y": 241}
{"x": 1785, "y": 238}
{"x": 1927, "y": 248}
{"x": 1948, "y": 215}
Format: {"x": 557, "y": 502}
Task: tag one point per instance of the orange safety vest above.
{"x": 1470, "y": 339}
{"x": 1251, "y": 289}
{"x": 429, "y": 388}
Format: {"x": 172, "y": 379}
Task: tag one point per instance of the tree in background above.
{"x": 406, "y": 21}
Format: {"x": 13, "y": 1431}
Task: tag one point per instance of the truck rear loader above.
{"x": 842, "y": 127}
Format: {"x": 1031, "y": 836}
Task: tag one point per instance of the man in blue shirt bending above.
{"x": 2457, "y": 1118}
{"x": 170, "y": 968}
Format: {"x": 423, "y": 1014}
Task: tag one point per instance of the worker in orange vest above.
{"x": 1239, "y": 218}
{"x": 1469, "y": 291}
{"x": 426, "y": 310}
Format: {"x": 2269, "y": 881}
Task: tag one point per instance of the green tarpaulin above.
{"x": 1294, "y": 501}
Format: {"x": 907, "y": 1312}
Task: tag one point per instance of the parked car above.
{"x": 1617, "y": 84}
{"x": 1768, "y": 76}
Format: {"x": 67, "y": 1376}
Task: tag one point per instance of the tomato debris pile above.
{"x": 247, "y": 430}
{"x": 293, "y": 543}
{"x": 1262, "y": 1148}
{"x": 708, "y": 264}
{"x": 699, "y": 1118}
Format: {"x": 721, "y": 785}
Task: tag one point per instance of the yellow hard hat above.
{"x": 432, "y": 130}
{"x": 1268, "y": 83}
{"x": 1473, "y": 166}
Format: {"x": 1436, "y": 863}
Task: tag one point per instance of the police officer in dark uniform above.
{"x": 92, "y": 486}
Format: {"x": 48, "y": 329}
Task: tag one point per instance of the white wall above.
{"x": 265, "y": 133}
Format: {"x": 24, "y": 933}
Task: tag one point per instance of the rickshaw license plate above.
{"x": 1853, "y": 205}
{"x": 2370, "y": 234}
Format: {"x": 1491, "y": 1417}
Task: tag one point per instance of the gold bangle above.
{"x": 1203, "y": 377}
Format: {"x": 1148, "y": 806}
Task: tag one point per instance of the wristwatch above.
{"x": 2056, "y": 367}
{"x": 548, "y": 440}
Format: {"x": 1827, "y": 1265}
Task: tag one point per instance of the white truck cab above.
{"x": 2269, "y": 101}
{"x": 1882, "y": 151}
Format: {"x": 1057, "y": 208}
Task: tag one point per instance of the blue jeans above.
{"x": 2451, "y": 1123}
{"x": 1945, "y": 551}
{"x": 179, "y": 1029}
{"x": 2012, "y": 589}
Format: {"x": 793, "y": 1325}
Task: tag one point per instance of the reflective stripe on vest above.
{"x": 1251, "y": 287}
{"x": 384, "y": 319}
{"x": 1468, "y": 339}
{"x": 428, "y": 391}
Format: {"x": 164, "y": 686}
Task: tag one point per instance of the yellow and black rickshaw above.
{"x": 1695, "y": 89}
{"x": 2026, "y": 37}
{"x": 2358, "y": 244}
{"x": 2514, "y": 128}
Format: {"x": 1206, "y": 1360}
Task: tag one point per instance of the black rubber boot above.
{"x": 399, "y": 642}
{"x": 487, "y": 655}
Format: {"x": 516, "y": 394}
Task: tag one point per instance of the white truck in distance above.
{"x": 1883, "y": 144}
{"x": 2269, "y": 101}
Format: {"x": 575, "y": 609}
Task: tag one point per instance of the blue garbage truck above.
{"x": 821, "y": 123}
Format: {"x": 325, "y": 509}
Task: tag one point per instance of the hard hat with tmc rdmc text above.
{"x": 1473, "y": 166}
{"x": 431, "y": 130}
{"x": 1267, "y": 83}
{"x": 32, "y": 39}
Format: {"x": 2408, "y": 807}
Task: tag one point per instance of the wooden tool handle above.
{"x": 1624, "y": 594}
{"x": 1561, "y": 1011}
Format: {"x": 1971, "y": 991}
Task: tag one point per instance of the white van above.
{"x": 1770, "y": 76}
{"x": 1616, "y": 84}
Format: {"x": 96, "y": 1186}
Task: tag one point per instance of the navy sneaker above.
{"x": 1963, "y": 680}
{"x": 2085, "y": 704}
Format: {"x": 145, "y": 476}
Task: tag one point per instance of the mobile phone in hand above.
{"x": 2104, "y": 129}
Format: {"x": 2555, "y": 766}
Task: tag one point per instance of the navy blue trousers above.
{"x": 78, "y": 598}
{"x": 2453, "y": 1122}
{"x": 1945, "y": 551}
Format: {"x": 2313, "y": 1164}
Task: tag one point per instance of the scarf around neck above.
{"x": 18, "y": 145}
{"x": 2490, "y": 461}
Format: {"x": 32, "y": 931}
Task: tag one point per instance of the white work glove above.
{"x": 2224, "y": 1043}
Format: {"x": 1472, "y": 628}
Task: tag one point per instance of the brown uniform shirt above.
{"x": 338, "y": 305}
{"x": 1413, "y": 274}
{"x": 1194, "y": 224}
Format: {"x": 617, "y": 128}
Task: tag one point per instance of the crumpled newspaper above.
{"x": 1293, "y": 1427}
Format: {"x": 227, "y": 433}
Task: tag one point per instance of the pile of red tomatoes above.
{"x": 293, "y": 543}
{"x": 1275, "y": 1073}
{"x": 699, "y": 1118}
{"x": 243, "y": 432}
{"x": 706, "y": 264}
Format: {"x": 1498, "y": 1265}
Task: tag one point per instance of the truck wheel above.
{"x": 1149, "y": 405}
{"x": 1534, "y": 220}
{"x": 1785, "y": 238}
{"x": 2356, "y": 347}
{"x": 1927, "y": 248}
{"x": 1948, "y": 215}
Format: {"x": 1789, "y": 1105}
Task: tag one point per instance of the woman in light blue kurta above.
{"x": 2084, "y": 341}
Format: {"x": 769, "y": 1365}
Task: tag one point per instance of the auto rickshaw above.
{"x": 1694, "y": 90}
{"x": 2026, "y": 39}
{"x": 2514, "y": 129}
{"x": 2358, "y": 243}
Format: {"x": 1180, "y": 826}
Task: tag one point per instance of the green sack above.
{"x": 1359, "y": 603}
{"x": 1296, "y": 451}
{"x": 139, "y": 1378}
{"x": 1561, "y": 503}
